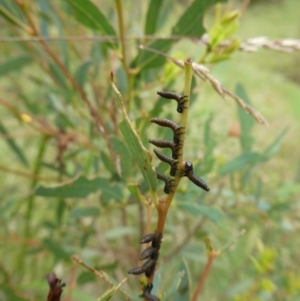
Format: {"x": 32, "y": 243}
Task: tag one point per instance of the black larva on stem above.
{"x": 149, "y": 264}
{"x": 175, "y": 147}
{"x": 136, "y": 271}
{"x": 147, "y": 293}
{"x": 167, "y": 123}
{"x": 168, "y": 182}
{"x": 189, "y": 173}
{"x": 162, "y": 143}
{"x": 147, "y": 253}
{"x": 166, "y": 159}
{"x": 177, "y": 129}
{"x": 149, "y": 238}
{"x": 179, "y": 98}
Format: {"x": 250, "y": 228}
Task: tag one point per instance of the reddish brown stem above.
{"x": 212, "y": 255}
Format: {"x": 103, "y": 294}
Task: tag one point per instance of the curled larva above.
{"x": 149, "y": 252}
{"x": 166, "y": 159}
{"x": 147, "y": 293}
{"x": 181, "y": 99}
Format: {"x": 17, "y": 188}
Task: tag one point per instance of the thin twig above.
{"x": 212, "y": 254}
{"x": 101, "y": 275}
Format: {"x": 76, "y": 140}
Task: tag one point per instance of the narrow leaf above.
{"x": 274, "y": 146}
{"x": 125, "y": 157}
{"x": 56, "y": 249}
{"x": 14, "y": 147}
{"x": 152, "y": 16}
{"x": 183, "y": 291}
{"x": 15, "y": 64}
{"x": 81, "y": 74}
{"x": 174, "y": 286}
{"x": 58, "y": 75}
{"x": 139, "y": 153}
{"x": 240, "y": 162}
{"x": 11, "y": 16}
{"x": 88, "y": 14}
{"x": 80, "y": 188}
{"x": 199, "y": 209}
{"x": 80, "y": 212}
{"x": 191, "y": 22}
{"x": 246, "y": 120}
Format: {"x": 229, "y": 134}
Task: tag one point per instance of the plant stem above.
{"x": 212, "y": 255}
{"x": 119, "y": 5}
{"x": 165, "y": 202}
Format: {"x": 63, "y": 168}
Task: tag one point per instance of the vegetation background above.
{"x": 50, "y": 136}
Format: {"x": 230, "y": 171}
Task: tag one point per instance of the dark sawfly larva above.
{"x": 189, "y": 173}
{"x": 147, "y": 253}
{"x": 168, "y": 182}
{"x": 149, "y": 264}
{"x": 175, "y": 147}
{"x": 176, "y": 128}
{"x": 136, "y": 271}
{"x": 166, "y": 159}
{"x": 149, "y": 238}
{"x": 179, "y": 98}
{"x": 147, "y": 293}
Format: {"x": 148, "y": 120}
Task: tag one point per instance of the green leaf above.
{"x": 246, "y": 120}
{"x": 88, "y": 14}
{"x": 12, "y": 13}
{"x": 85, "y": 277}
{"x": 58, "y": 75}
{"x": 14, "y": 147}
{"x": 125, "y": 157}
{"x": 81, "y": 74}
{"x": 152, "y": 16}
{"x": 80, "y": 188}
{"x": 56, "y": 249}
{"x": 212, "y": 213}
{"x": 174, "y": 286}
{"x": 84, "y": 212}
{"x": 191, "y": 22}
{"x": 15, "y": 64}
{"x": 240, "y": 163}
{"x": 275, "y": 145}
{"x": 138, "y": 152}
{"x": 108, "y": 163}
{"x": 9, "y": 293}
{"x": 183, "y": 291}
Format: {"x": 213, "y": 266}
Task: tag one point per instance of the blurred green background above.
{"x": 50, "y": 138}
